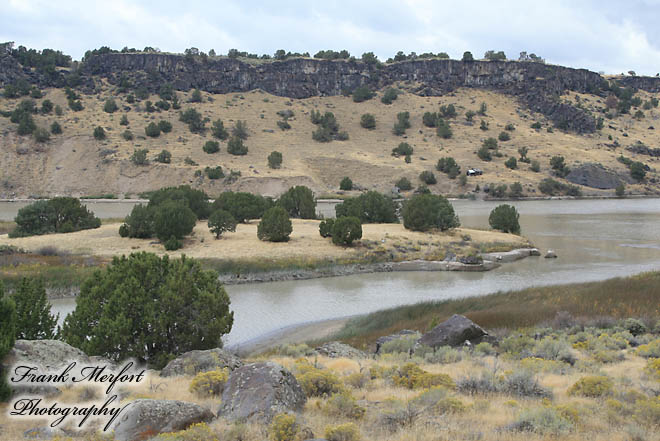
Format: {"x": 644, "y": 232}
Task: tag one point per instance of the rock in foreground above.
{"x": 454, "y": 332}
{"x": 261, "y": 391}
{"x": 194, "y": 362}
{"x": 144, "y": 419}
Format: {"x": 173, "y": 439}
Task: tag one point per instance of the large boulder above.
{"x": 335, "y": 349}
{"x": 144, "y": 419}
{"x": 194, "y": 362}
{"x": 260, "y": 391}
{"x": 595, "y": 176}
{"x": 454, "y": 332}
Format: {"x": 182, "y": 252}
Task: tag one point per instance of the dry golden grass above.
{"x": 71, "y": 163}
{"x": 305, "y": 243}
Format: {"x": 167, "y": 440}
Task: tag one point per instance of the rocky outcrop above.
{"x": 144, "y": 419}
{"x": 260, "y": 391}
{"x": 550, "y": 254}
{"x": 642, "y": 149}
{"x": 511, "y": 256}
{"x": 48, "y": 354}
{"x": 538, "y": 85}
{"x": 335, "y": 349}
{"x": 454, "y": 332}
{"x": 595, "y": 176}
{"x": 194, "y": 362}
{"x": 649, "y": 84}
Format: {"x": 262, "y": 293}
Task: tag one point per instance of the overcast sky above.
{"x": 605, "y": 35}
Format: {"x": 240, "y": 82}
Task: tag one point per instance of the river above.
{"x": 594, "y": 239}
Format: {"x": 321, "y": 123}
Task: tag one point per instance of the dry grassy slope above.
{"x": 71, "y": 163}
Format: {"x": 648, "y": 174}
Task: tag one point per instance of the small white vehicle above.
{"x": 474, "y": 172}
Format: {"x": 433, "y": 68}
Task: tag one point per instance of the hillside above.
{"x": 74, "y": 163}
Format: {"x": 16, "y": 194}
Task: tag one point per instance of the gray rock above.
{"x": 454, "y": 332}
{"x": 144, "y": 419}
{"x": 335, "y": 349}
{"x": 260, "y": 391}
{"x": 194, "y": 362}
{"x": 595, "y": 176}
{"x": 550, "y": 254}
{"x": 511, "y": 256}
{"x": 39, "y": 433}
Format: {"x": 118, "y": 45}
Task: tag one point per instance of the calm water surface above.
{"x": 594, "y": 239}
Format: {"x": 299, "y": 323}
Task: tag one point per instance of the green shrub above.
{"x": 193, "y": 118}
{"x": 403, "y": 149}
{"x": 196, "y": 96}
{"x": 430, "y": 119}
{"x": 448, "y": 111}
{"x": 536, "y": 125}
{"x": 57, "y": 215}
{"x": 543, "y": 421}
{"x": 127, "y": 135}
{"x": 504, "y": 136}
{"x": 412, "y": 376}
{"x": 196, "y": 200}
{"x": 221, "y": 221}
{"x": 370, "y": 207}
{"x": 210, "y": 383}
{"x": 41, "y": 135}
{"x": 483, "y": 126}
{"x": 214, "y": 172}
{"x": 55, "y": 128}
{"x": 404, "y": 184}
{"x": 515, "y": 190}
{"x": 342, "y": 432}
{"x": 511, "y": 163}
{"x": 536, "y": 166}
{"x": 448, "y": 165}
{"x": 428, "y": 177}
{"x": 211, "y": 147}
{"x": 620, "y": 190}
{"x": 165, "y": 126}
{"x": 275, "y": 160}
{"x": 368, "y": 121}
{"x": 283, "y": 428}
{"x": 154, "y": 292}
{"x": 592, "y": 386}
{"x": 243, "y": 206}
{"x": 426, "y": 211}
{"x": 318, "y": 383}
{"x": 139, "y": 223}
{"x": 638, "y": 171}
{"x": 34, "y": 320}
{"x": 510, "y": 127}
{"x": 240, "y": 130}
{"x": 443, "y": 130}
{"x": 345, "y": 230}
{"x": 152, "y": 130}
{"x": 649, "y": 350}
{"x": 484, "y": 154}
{"x": 389, "y": 96}
{"x": 362, "y": 94}
{"x": 490, "y": 143}
{"x": 559, "y": 166}
{"x": 218, "y": 130}
{"x": 235, "y": 147}
{"x": 99, "y": 133}
{"x": 164, "y": 157}
{"x": 299, "y": 202}
{"x": 551, "y": 187}
{"x": 173, "y": 219}
{"x": 283, "y": 125}
{"x": 110, "y": 106}
{"x": 505, "y": 218}
{"x": 325, "y": 227}
{"x": 275, "y": 225}
{"x": 343, "y": 405}
{"x": 139, "y": 157}
{"x": 46, "y": 107}
{"x": 346, "y": 184}
{"x": 7, "y": 338}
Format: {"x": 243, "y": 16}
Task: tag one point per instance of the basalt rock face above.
{"x": 537, "y": 85}
{"x": 649, "y": 84}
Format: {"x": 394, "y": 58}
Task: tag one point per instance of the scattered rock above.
{"x": 454, "y": 332}
{"x": 144, "y": 419}
{"x": 550, "y": 254}
{"x": 335, "y": 349}
{"x": 261, "y": 391}
{"x": 511, "y": 256}
{"x": 48, "y": 354}
{"x": 194, "y": 362}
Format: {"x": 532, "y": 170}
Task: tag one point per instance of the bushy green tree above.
{"x": 346, "y": 183}
{"x": 362, "y": 94}
{"x": 505, "y": 218}
{"x": 449, "y": 166}
{"x": 404, "y": 184}
{"x": 403, "y": 149}
{"x": 638, "y": 171}
{"x": 149, "y": 307}
{"x": 57, "y": 215}
{"x": 484, "y": 153}
{"x": 235, "y": 146}
{"x": 368, "y": 121}
{"x": 173, "y": 219}
{"x": 164, "y": 157}
{"x": 275, "y": 160}
{"x": 139, "y": 223}
{"x": 55, "y": 128}
{"x": 390, "y": 95}
{"x": 220, "y": 222}
{"x": 110, "y": 106}
{"x": 196, "y": 200}
{"x": 275, "y": 225}
{"x": 299, "y": 202}
{"x": 196, "y": 96}
{"x": 240, "y": 130}
{"x": 165, "y": 126}
{"x": 211, "y": 147}
{"x": 46, "y": 107}
{"x": 41, "y": 135}
{"x": 99, "y": 133}
{"x": 139, "y": 157}
{"x": 218, "y": 130}
{"x": 152, "y": 130}
{"x": 243, "y": 206}
{"x": 370, "y": 207}
{"x": 511, "y": 163}
{"x": 426, "y": 211}
{"x": 193, "y": 118}
{"x": 325, "y": 227}
{"x": 345, "y": 230}
{"x": 7, "y": 338}
{"x": 467, "y": 56}
{"x": 34, "y": 320}
{"x": 428, "y": 177}
{"x": 559, "y": 166}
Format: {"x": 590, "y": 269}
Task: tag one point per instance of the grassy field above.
{"x": 636, "y": 296}
{"x": 74, "y": 163}
{"x": 243, "y": 252}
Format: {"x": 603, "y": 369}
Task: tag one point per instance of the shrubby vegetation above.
{"x": 275, "y": 225}
{"x": 328, "y": 128}
{"x": 555, "y": 188}
{"x": 505, "y": 218}
{"x": 242, "y": 206}
{"x": 345, "y": 230}
{"x": 149, "y": 307}
{"x": 426, "y": 211}
{"x": 275, "y": 160}
{"x": 57, "y": 215}
{"x": 370, "y": 207}
{"x": 34, "y": 320}
{"x": 221, "y": 221}
{"x": 299, "y": 202}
